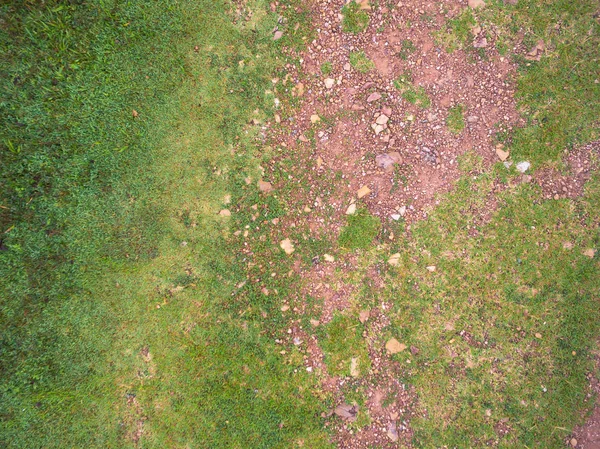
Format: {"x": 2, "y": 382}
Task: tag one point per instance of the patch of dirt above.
{"x": 587, "y": 436}
{"x": 569, "y": 182}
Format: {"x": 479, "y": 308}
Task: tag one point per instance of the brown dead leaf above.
{"x": 393, "y": 346}
{"x": 264, "y": 186}
{"x": 347, "y": 412}
{"x": 502, "y": 155}
{"x": 536, "y": 52}
{"x": 134, "y": 113}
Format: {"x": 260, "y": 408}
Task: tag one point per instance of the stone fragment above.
{"x": 351, "y": 209}
{"x": 523, "y": 166}
{"x": 264, "y": 186}
{"x": 502, "y": 155}
{"x": 225, "y": 213}
{"x": 393, "y": 346}
{"x": 315, "y": 118}
{"x": 329, "y": 82}
{"x": 363, "y": 191}
{"x": 373, "y": 97}
{"x": 382, "y": 119}
{"x": 287, "y": 246}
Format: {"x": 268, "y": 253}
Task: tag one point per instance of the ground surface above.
{"x": 319, "y": 224}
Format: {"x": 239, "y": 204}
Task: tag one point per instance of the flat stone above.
{"x": 351, "y": 209}
{"x": 476, "y": 4}
{"x": 363, "y": 191}
{"x": 329, "y": 82}
{"x": 315, "y": 118}
{"x": 386, "y": 110}
{"x": 382, "y": 119}
{"x": 523, "y": 166}
{"x": 502, "y": 155}
{"x": 393, "y": 346}
{"x": 287, "y": 246}
{"x": 225, "y": 213}
{"x": 394, "y": 260}
{"x": 373, "y": 97}
{"x": 328, "y": 258}
{"x": 264, "y": 186}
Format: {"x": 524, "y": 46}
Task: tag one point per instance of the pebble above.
{"x": 523, "y": 166}
{"x": 329, "y": 82}
{"x": 373, "y": 97}
{"x": 382, "y": 119}
{"x": 351, "y": 209}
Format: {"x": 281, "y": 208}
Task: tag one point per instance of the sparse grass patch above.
{"x": 457, "y": 32}
{"x": 354, "y": 19}
{"x": 326, "y": 68}
{"x": 360, "y": 61}
{"x": 413, "y": 94}
{"x": 344, "y": 346}
{"x": 455, "y": 121}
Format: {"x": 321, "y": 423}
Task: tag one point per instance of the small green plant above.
{"x": 360, "y": 231}
{"x": 455, "y": 120}
{"x": 413, "y": 94}
{"x": 407, "y": 47}
{"x": 456, "y": 33}
{"x": 360, "y": 61}
{"x": 326, "y": 68}
{"x": 355, "y": 20}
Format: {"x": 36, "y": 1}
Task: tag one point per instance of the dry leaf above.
{"x": 347, "y": 412}
{"x": 394, "y": 260}
{"x": 502, "y": 155}
{"x": 134, "y": 113}
{"x": 264, "y": 186}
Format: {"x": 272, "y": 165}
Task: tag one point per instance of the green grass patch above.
{"x": 413, "y": 94}
{"x": 344, "y": 346}
{"x": 354, "y": 19}
{"x": 456, "y": 34}
{"x": 326, "y": 68}
{"x": 125, "y": 313}
{"x": 361, "y": 230}
{"x": 455, "y": 121}
{"x": 360, "y": 61}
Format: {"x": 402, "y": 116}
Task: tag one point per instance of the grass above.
{"x": 360, "y": 61}
{"x": 413, "y": 94}
{"x": 119, "y": 327}
{"x": 354, "y": 20}
{"x": 326, "y": 68}
{"x": 361, "y": 230}
{"x": 455, "y": 121}
{"x": 134, "y": 315}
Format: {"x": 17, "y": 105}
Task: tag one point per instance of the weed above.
{"x": 354, "y": 19}
{"x": 360, "y": 61}
{"x": 414, "y": 95}
{"x": 326, "y": 68}
{"x": 406, "y": 48}
{"x": 455, "y": 120}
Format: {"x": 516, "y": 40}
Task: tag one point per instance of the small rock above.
{"x": 363, "y": 191}
{"x": 414, "y": 350}
{"x": 476, "y": 4}
{"x": 285, "y": 308}
{"x": 363, "y": 316}
{"x": 472, "y": 119}
{"x": 392, "y": 432}
{"x": 347, "y": 66}
{"x": 402, "y": 210}
{"x": 382, "y": 119}
{"x": 354, "y": 372}
{"x": 351, "y": 209}
{"x": 287, "y": 246}
{"x": 225, "y": 213}
{"x": 385, "y": 161}
{"x": 377, "y": 128}
{"x": 538, "y": 335}
{"x": 314, "y": 322}
{"x": 264, "y": 186}
{"x": 480, "y": 43}
{"x": 502, "y": 155}
{"x": 431, "y": 268}
{"x": 386, "y": 110}
{"x": 373, "y": 97}
{"x": 394, "y": 260}
{"x": 573, "y": 442}
{"x": 393, "y": 346}
{"x": 329, "y": 82}
{"x": 396, "y": 217}
{"x": 278, "y": 35}
{"x": 590, "y": 252}
{"x": 523, "y": 166}
{"x": 328, "y": 258}
{"x": 315, "y": 118}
